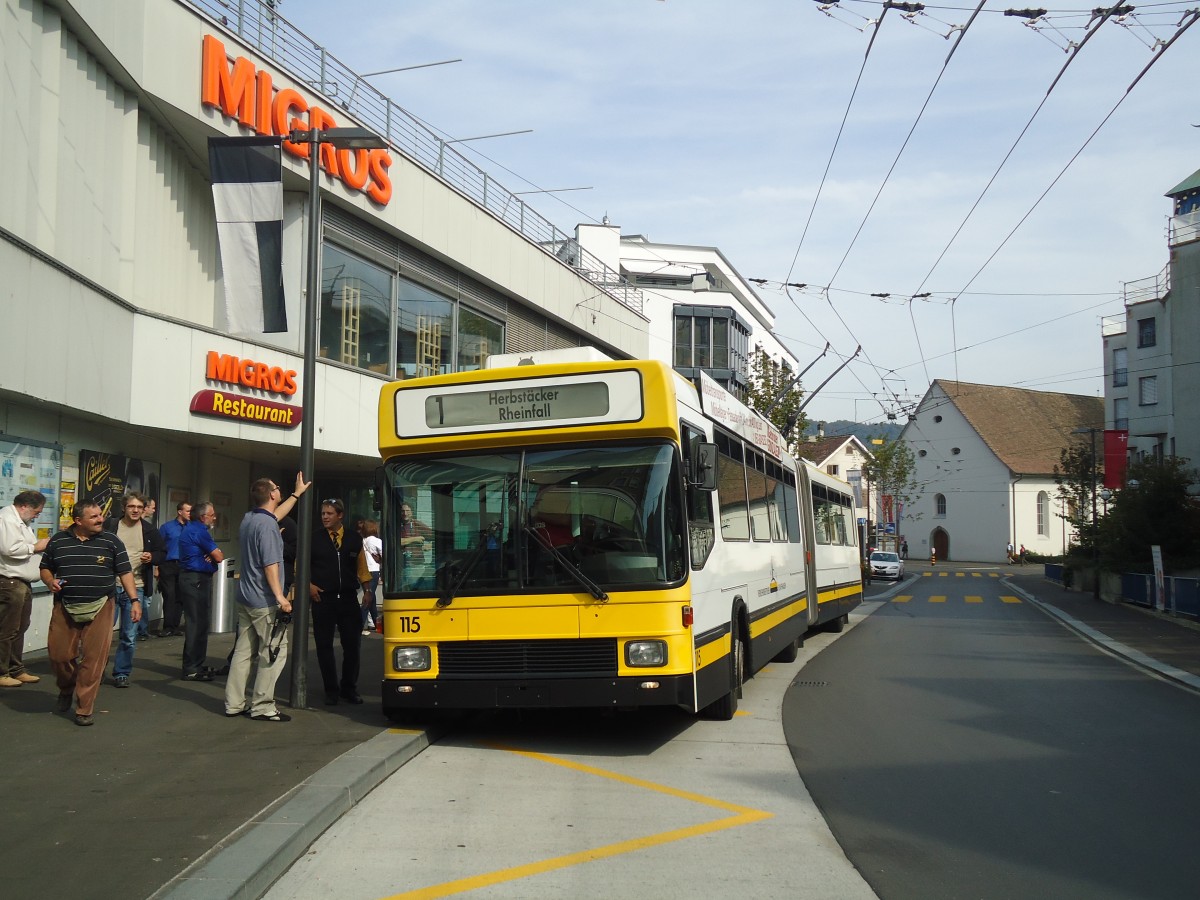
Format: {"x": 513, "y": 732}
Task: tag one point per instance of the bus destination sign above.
{"x": 567, "y": 400}
{"x": 524, "y": 405}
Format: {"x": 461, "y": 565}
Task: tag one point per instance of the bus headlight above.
{"x": 411, "y": 659}
{"x": 643, "y": 654}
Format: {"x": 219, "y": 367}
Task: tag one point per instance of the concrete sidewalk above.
{"x": 164, "y": 796}
{"x": 122, "y": 808}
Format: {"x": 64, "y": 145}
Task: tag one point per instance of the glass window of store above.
{"x": 424, "y": 331}
{"x": 356, "y": 307}
{"x": 478, "y": 338}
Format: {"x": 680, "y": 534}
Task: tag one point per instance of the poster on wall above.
{"x": 28, "y": 465}
{"x": 105, "y": 477}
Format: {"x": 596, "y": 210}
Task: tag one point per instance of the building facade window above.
{"x": 714, "y": 340}
{"x": 1120, "y": 367}
{"x": 831, "y": 470}
{"x": 1148, "y": 390}
{"x": 356, "y": 309}
{"x": 940, "y": 504}
{"x": 1147, "y": 332}
{"x": 373, "y": 319}
{"x": 1043, "y": 514}
{"x": 1121, "y": 413}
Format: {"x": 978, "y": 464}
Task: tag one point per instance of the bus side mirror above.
{"x": 380, "y": 488}
{"x": 705, "y": 472}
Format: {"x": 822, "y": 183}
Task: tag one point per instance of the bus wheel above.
{"x": 835, "y": 626}
{"x": 723, "y": 709}
{"x": 789, "y": 653}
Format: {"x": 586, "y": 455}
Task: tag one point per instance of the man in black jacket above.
{"x": 338, "y": 568}
{"x": 146, "y": 550}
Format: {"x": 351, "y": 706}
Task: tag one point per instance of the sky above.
{"x": 766, "y": 129}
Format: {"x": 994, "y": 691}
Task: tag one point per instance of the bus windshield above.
{"x": 535, "y": 520}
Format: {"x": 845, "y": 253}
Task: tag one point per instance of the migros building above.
{"x": 118, "y": 369}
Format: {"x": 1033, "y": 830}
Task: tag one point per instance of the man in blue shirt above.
{"x": 198, "y": 559}
{"x": 168, "y": 570}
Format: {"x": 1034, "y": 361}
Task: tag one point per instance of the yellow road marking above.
{"x": 927, "y": 574}
{"x": 971, "y": 599}
{"x": 742, "y": 816}
{"x": 1011, "y": 599}
{"x": 937, "y": 599}
{"x": 976, "y": 575}
{"x": 942, "y": 574}
{"x": 903, "y": 598}
{"x": 960, "y": 574}
{"x": 993, "y": 574}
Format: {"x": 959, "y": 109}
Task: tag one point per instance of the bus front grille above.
{"x": 579, "y": 658}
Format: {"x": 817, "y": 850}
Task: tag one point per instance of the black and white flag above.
{"x": 247, "y": 175}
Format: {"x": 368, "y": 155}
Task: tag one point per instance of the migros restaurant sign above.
{"x": 249, "y": 95}
{"x": 225, "y": 404}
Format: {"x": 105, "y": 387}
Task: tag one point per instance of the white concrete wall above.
{"x": 979, "y": 491}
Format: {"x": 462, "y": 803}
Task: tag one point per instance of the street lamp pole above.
{"x": 348, "y": 138}
{"x": 1095, "y": 535}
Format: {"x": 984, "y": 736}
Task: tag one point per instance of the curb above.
{"x": 247, "y": 862}
{"x": 1136, "y": 658}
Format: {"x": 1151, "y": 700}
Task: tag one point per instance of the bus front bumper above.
{"x": 626, "y": 691}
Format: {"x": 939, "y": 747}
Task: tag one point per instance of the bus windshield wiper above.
{"x": 450, "y": 591}
{"x": 573, "y": 570}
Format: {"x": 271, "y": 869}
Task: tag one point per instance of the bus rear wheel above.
{"x": 789, "y": 653}
{"x": 724, "y": 708}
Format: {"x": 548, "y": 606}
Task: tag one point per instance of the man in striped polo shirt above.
{"x": 81, "y": 566}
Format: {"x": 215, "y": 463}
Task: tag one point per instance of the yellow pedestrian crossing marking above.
{"x": 942, "y": 598}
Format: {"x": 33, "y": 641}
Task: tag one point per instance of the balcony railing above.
{"x": 1185, "y": 227}
{"x": 1155, "y": 287}
{"x": 1120, "y": 377}
{"x": 258, "y": 25}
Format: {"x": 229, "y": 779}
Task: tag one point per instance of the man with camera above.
{"x": 263, "y": 610}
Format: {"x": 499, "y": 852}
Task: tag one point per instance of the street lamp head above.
{"x": 349, "y": 138}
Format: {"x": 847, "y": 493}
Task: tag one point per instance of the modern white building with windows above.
{"x": 1151, "y": 355}
{"x": 703, "y": 315}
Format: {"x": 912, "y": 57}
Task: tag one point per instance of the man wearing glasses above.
{"x": 144, "y": 545}
{"x": 339, "y": 566}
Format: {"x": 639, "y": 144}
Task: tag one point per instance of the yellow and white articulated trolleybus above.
{"x": 596, "y": 533}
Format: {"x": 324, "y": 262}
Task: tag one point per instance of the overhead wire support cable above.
{"x": 1007, "y": 156}
{"x": 837, "y": 140}
{"x": 907, "y": 138}
{"x": 1188, "y": 20}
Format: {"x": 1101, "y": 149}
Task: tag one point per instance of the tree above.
{"x": 890, "y": 471}
{"x": 1156, "y": 512}
{"x": 1076, "y": 479}
{"x": 772, "y": 394}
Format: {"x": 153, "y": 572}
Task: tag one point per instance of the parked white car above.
{"x": 886, "y": 565}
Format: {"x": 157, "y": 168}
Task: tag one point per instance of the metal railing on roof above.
{"x": 1153, "y": 288}
{"x": 258, "y": 25}
{"x": 1112, "y": 325}
{"x": 1185, "y": 227}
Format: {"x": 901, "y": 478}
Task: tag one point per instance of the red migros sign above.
{"x": 249, "y": 95}
{"x": 228, "y": 404}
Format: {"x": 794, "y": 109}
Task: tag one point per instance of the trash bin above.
{"x": 224, "y": 597}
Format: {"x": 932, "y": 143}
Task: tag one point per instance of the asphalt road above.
{"x": 963, "y": 746}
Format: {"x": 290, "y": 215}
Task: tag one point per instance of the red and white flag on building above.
{"x": 1116, "y": 457}
{"x": 247, "y": 176}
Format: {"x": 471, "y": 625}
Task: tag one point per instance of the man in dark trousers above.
{"x": 338, "y": 568}
{"x": 168, "y": 571}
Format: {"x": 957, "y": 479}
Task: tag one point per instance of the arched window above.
{"x": 940, "y": 501}
{"x": 1043, "y": 513}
